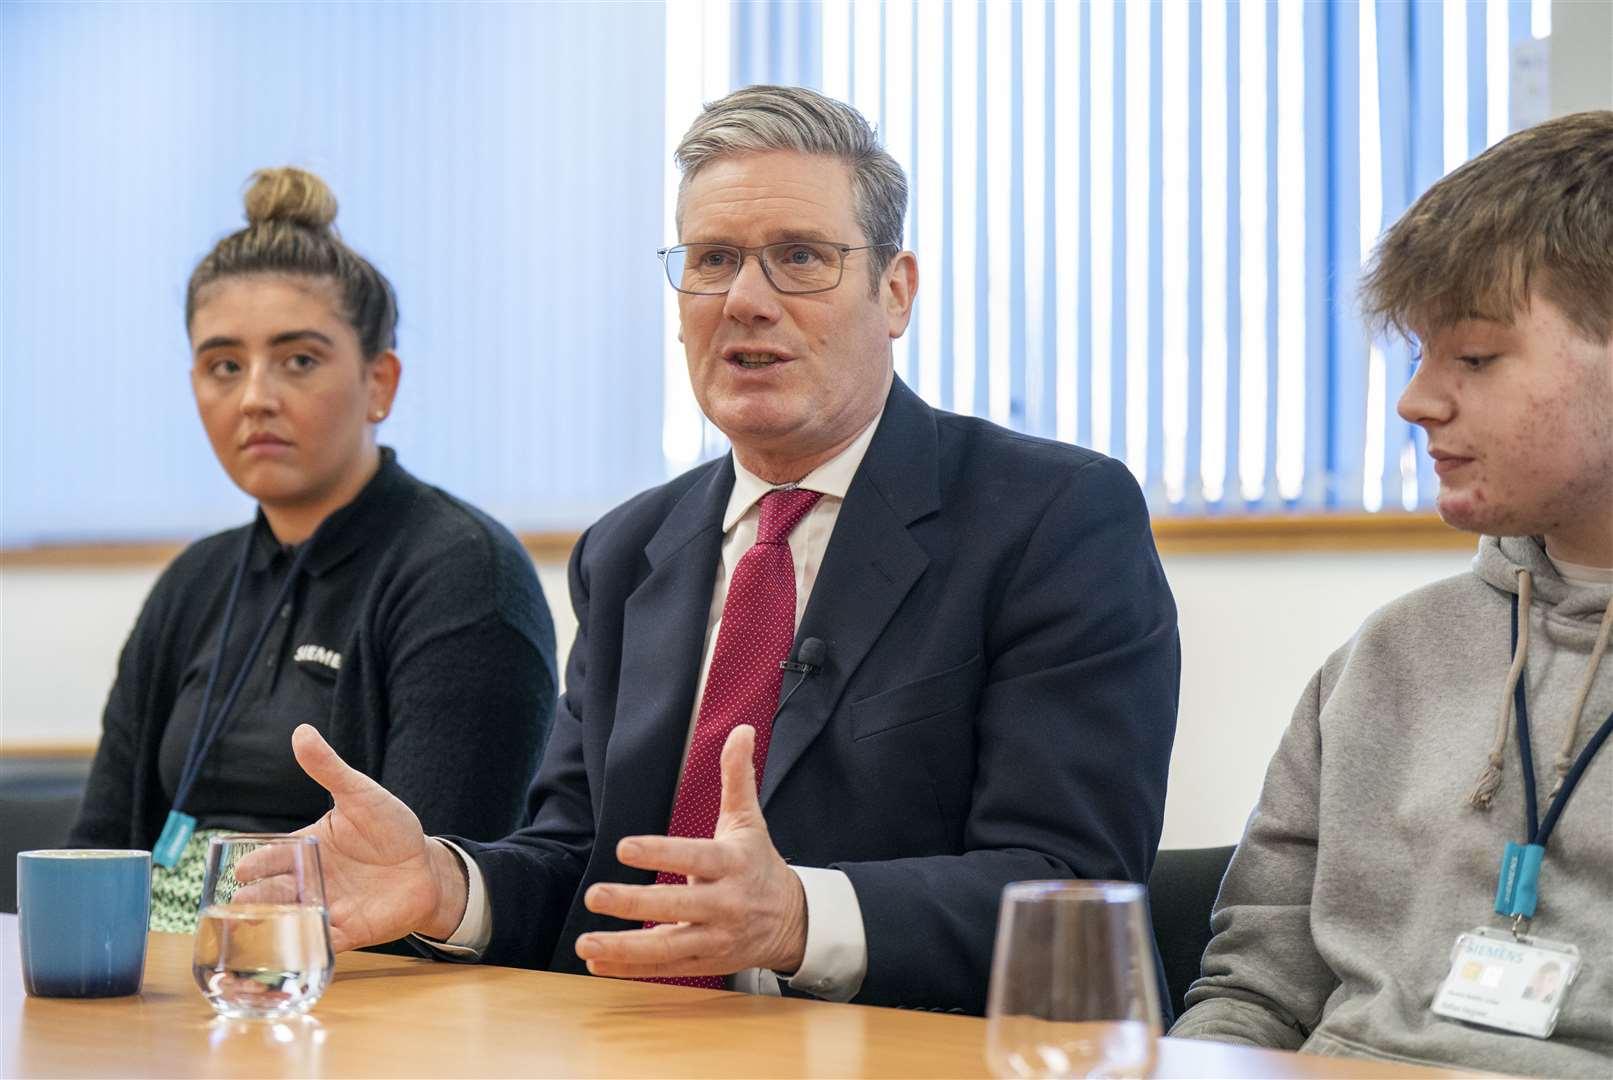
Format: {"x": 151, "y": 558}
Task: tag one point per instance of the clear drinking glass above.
{"x": 1073, "y": 987}
{"x": 263, "y": 949}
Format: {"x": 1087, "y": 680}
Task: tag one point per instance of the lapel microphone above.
{"x": 809, "y": 657}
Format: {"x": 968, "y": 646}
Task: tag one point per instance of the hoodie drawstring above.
{"x": 1565, "y": 758}
{"x": 1489, "y": 781}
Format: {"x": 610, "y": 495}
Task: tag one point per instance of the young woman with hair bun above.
{"x": 406, "y": 625}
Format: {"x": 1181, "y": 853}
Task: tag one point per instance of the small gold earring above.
{"x": 378, "y": 415}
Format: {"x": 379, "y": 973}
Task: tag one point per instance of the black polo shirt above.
{"x": 415, "y": 637}
{"x": 249, "y": 779}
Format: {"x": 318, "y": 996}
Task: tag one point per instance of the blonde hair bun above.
{"x": 292, "y": 195}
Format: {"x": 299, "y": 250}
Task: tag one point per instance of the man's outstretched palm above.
{"x": 380, "y": 879}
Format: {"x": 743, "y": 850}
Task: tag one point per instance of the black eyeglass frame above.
{"x": 747, "y": 252}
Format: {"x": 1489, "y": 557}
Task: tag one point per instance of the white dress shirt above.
{"x": 836, "y": 956}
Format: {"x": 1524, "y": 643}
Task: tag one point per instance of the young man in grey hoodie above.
{"x": 1380, "y": 832}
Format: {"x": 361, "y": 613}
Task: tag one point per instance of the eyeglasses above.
{"x": 791, "y": 266}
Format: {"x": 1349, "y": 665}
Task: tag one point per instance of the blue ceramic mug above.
{"x": 82, "y": 921}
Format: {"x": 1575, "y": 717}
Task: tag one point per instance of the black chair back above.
{"x": 39, "y": 800}
{"x": 1181, "y": 894}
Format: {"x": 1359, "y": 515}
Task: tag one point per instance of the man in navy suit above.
{"x": 981, "y": 686}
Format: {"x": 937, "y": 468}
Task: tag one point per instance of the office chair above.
{"x": 39, "y": 799}
{"x": 1181, "y": 893}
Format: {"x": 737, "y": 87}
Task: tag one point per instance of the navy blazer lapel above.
{"x": 663, "y": 634}
{"x": 870, "y": 566}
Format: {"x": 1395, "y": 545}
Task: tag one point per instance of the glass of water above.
{"x": 263, "y": 947}
{"x": 1073, "y": 987}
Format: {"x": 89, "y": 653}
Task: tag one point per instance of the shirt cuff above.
{"x": 836, "y": 956}
{"x": 475, "y": 930}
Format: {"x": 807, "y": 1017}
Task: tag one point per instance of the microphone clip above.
{"x": 808, "y": 658}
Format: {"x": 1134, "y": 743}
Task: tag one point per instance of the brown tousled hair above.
{"x": 290, "y": 232}
{"x": 1532, "y": 215}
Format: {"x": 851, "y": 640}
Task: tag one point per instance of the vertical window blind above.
{"x": 481, "y": 161}
{"x": 1140, "y": 225}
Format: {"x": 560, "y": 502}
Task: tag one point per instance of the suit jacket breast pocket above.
{"x": 923, "y": 699}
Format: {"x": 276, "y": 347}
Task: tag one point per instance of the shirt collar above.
{"x": 832, "y": 478}
{"x": 1580, "y": 573}
{"x": 340, "y": 534}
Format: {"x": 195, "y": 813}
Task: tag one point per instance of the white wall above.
{"x": 1581, "y": 46}
{"x": 1254, "y": 628}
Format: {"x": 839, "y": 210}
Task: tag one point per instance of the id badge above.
{"x": 1511, "y": 983}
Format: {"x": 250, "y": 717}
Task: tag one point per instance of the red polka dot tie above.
{"x": 757, "y": 628}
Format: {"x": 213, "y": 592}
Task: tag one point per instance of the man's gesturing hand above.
{"x": 742, "y": 907}
{"x": 383, "y": 877}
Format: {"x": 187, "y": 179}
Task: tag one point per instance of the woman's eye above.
{"x": 301, "y": 362}
{"x": 223, "y": 368}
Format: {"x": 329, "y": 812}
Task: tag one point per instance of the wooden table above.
{"x": 397, "y": 1016}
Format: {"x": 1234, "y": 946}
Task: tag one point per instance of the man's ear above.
{"x": 899, "y": 286}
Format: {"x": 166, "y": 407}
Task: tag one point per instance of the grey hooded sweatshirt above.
{"x": 1363, "y": 860}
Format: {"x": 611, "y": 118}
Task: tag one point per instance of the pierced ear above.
{"x": 385, "y": 372}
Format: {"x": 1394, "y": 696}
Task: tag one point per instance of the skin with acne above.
{"x": 1519, "y": 419}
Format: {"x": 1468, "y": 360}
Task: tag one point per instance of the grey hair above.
{"x": 762, "y": 118}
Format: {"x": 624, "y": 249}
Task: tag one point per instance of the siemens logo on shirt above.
{"x": 318, "y": 654}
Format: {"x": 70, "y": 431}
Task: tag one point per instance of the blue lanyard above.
{"x": 1517, "y": 892}
{"x": 209, "y": 727}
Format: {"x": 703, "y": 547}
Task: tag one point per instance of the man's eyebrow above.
{"x": 800, "y": 234}
{"x": 219, "y": 343}
{"x": 781, "y": 236}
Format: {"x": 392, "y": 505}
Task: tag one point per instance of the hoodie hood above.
{"x": 1572, "y": 613}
